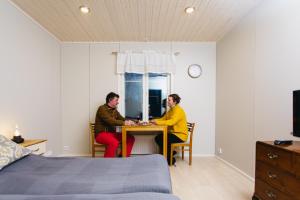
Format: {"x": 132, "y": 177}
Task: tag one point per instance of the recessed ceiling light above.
{"x": 84, "y": 9}
{"x": 189, "y": 10}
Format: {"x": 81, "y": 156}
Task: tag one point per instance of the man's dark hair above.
{"x": 175, "y": 98}
{"x": 110, "y": 96}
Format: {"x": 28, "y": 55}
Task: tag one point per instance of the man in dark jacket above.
{"x": 107, "y": 118}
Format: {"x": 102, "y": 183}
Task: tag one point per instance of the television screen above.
{"x": 296, "y": 113}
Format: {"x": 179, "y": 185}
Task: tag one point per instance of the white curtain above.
{"x": 145, "y": 62}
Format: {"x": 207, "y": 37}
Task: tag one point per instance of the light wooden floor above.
{"x": 209, "y": 178}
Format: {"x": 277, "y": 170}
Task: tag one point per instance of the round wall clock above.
{"x": 194, "y": 70}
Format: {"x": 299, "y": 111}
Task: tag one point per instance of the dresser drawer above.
{"x": 297, "y": 165}
{"x": 38, "y": 149}
{"x": 265, "y": 192}
{"x": 279, "y": 179}
{"x": 274, "y": 156}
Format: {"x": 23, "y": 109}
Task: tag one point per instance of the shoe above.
{"x": 174, "y": 161}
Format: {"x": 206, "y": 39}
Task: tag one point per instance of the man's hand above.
{"x": 129, "y": 123}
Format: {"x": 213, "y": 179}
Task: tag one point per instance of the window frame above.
{"x": 121, "y": 91}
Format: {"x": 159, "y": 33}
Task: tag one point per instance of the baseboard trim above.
{"x": 74, "y": 155}
{"x": 235, "y": 168}
{"x": 200, "y": 155}
{"x": 90, "y": 155}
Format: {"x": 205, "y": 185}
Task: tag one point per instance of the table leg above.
{"x": 165, "y": 139}
{"x": 124, "y": 144}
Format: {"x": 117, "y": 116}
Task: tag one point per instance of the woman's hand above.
{"x": 153, "y": 122}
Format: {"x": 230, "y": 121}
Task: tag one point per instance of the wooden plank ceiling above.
{"x": 137, "y": 20}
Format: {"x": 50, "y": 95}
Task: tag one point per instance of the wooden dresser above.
{"x": 277, "y": 172}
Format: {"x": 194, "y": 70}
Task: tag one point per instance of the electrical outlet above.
{"x": 66, "y": 148}
{"x": 220, "y": 150}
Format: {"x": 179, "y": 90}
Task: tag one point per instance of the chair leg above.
{"x": 190, "y": 156}
{"x": 93, "y": 152}
{"x": 171, "y": 156}
{"x": 182, "y": 152}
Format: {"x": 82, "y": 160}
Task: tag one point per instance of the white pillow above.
{"x": 10, "y": 151}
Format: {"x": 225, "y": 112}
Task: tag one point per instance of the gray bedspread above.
{"x": 128, "y": 196}
{"x": 37, "y": 175}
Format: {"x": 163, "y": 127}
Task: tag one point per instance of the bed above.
{"x": 127, "y": 196}
{"x": 38, "y": 175}
{"x": 26, "y": 176}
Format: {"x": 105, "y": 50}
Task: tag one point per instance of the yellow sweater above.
{"x": 175, "y": 119}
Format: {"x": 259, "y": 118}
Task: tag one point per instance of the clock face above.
{"x": 194, "y": 70}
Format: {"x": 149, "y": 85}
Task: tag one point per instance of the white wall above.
{"x": 75, "y": 97}
{"x": 29, "y": 78}
{"x": 257, "y": 70}
{"x": 89, "y": 74}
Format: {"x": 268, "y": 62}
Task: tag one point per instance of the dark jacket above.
{"x": 107, "y": 118}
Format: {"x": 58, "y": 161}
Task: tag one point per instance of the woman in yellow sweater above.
{"x": 175, "y": 119}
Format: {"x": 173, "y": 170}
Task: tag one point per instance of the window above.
{"x": 134, "y": 96}
{"x": 145, "y": 94}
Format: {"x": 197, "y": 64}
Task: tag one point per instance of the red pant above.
{"x": 112, "y": 140}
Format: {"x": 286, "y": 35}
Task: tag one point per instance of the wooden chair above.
{"x": 185, "y": 146}
{"x": 95, "y": 147}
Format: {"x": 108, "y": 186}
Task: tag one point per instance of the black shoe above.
{"x": 174, "y": 161}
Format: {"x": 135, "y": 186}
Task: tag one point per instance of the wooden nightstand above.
{"x": 37, "y": 146}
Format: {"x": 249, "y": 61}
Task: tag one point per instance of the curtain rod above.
{"x": 116, "y": 52}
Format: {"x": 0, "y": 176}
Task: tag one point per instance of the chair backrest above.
{"x": 92, "y": 134}
{"x": 191, "y": 127}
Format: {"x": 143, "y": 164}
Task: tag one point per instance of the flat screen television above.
{"x": 296, "y": 113}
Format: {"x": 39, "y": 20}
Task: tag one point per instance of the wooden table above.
{"x": 148, "y": 128}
